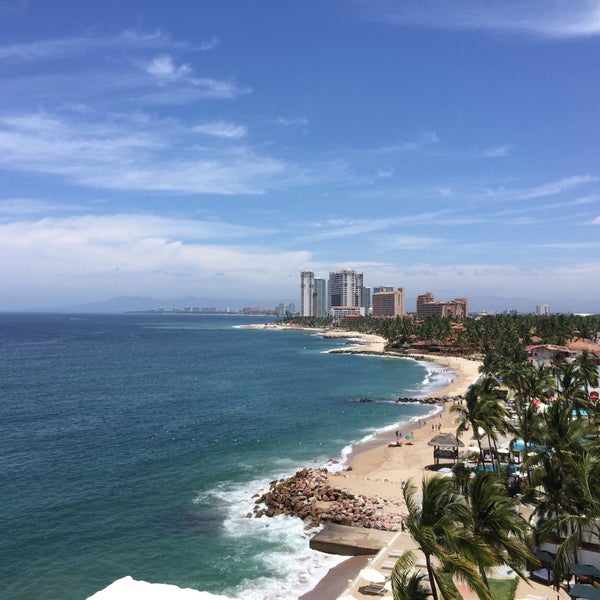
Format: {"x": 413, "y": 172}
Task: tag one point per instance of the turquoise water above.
{"x": 133, "y": 445}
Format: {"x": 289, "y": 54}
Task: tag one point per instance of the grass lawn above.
{"x": 503, "y": 589}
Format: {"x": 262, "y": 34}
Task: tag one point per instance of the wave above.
{"x": 288, "y": 565}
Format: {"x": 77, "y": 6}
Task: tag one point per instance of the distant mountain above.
{"x": 121, "y": 304}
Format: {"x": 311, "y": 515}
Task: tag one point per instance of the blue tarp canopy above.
{"x": 584, "y": 570}
{"x": 584, "y": 590}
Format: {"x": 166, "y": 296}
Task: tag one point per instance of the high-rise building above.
{"x": 307, "y": 290}
{"x": 383, "y": 288}
{"x": 427, "y": 307}
{"x": 388, "y": 304}
{"x": 422, "y": 300}
{"x": 366, "y": 299}
{"x": 542, "y": 309}
{"x": 345, "y": 288}
{"x": 321, "y": 292}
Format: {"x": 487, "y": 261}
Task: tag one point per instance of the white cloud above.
{"x": 555, "y": 187}
{"x": 548, "y": 18}
{"x": 190, "y": 89}
{"x": 222, "y": 129}
{"x": 335, "y": 228}
{"x": 412, "y": 242}
{"x": 115, "y": 153}
{"x": 55, "y": 48}
{"x": 163, "y": 67}
{"x": 496, "y": 151}
{"x": 468, "y": 279}
{"x": 95, "y": 257}
{"x": 422, "y": 139}
{"x": 11, "y": 207}
{"x": 293, "y": 121}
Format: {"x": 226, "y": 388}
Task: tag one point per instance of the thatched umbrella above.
{"x": 445, "y": 445}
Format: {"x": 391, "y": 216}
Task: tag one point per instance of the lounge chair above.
{"x": 373, "y": 589}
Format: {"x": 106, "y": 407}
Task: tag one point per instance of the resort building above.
{"x": 345, "y": 289}
{"x": 542, "y": 309}
{"x": 428, "y": 307}
{"x": 388, "y": 303}
{"x": 307, "y": 291}
{"x": 545, "y": 353}
{"x": 346, "y": 313}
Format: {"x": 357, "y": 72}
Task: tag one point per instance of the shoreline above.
{"x": 378, "y": 467}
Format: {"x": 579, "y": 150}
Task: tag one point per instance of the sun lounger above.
{"x": 396, "y": 553}
{"x": 388, "y": 564}
{"x": 373, "y": 589}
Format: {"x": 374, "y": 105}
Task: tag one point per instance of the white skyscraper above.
{"x": 307, "y": 291}
{"x": 542, "y": 309}
{"x": 345, "y": 288}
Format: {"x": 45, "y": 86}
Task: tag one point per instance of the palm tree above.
{"x": 497, "y": 525}
{"x": 588, "y": 371}
{"x": 582, "y": 521}
{"x": 436, "y": 524}
{"x": 482, "y": 412}
{"x": 407, "y": 584}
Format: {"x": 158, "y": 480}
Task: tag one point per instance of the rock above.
{"x": 299, "y": 496}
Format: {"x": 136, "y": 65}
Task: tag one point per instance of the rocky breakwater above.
{"x": 433, "y": 399}
{"x": 309, "y": 496}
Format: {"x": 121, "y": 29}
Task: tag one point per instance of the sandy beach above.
{"x": 381, "y": 468}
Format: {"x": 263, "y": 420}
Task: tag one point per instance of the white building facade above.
{"x": 307, "y": 292}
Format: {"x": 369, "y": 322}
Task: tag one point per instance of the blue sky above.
{"x": 215, "y": 148}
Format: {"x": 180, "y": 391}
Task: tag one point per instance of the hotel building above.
{"x": 388, "y": 303}
{"x": 428, "y": 307}
{"x": 346, "y": 290}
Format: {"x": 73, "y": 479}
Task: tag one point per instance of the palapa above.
{"x": 445, "y": 440}
{"x": 445, "y": 445}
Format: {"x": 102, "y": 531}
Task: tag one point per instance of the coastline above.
{"x": 378, "y": 467}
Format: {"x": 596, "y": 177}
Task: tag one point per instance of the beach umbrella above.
{"x": 518, "y": 445}
{"x": 372, "y": 575}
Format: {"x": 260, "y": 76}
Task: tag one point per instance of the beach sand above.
{"x": 378, "y": 468}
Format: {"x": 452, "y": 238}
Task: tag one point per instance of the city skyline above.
{"x": 218, "y": 148}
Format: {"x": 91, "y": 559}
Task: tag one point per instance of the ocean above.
{"x": 135, "y": 445}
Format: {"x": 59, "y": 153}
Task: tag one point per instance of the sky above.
{"x": 216, "y": 148}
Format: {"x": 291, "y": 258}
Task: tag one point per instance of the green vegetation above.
{"x": 497, "y": 337}
{"x": 503, "y": 589}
